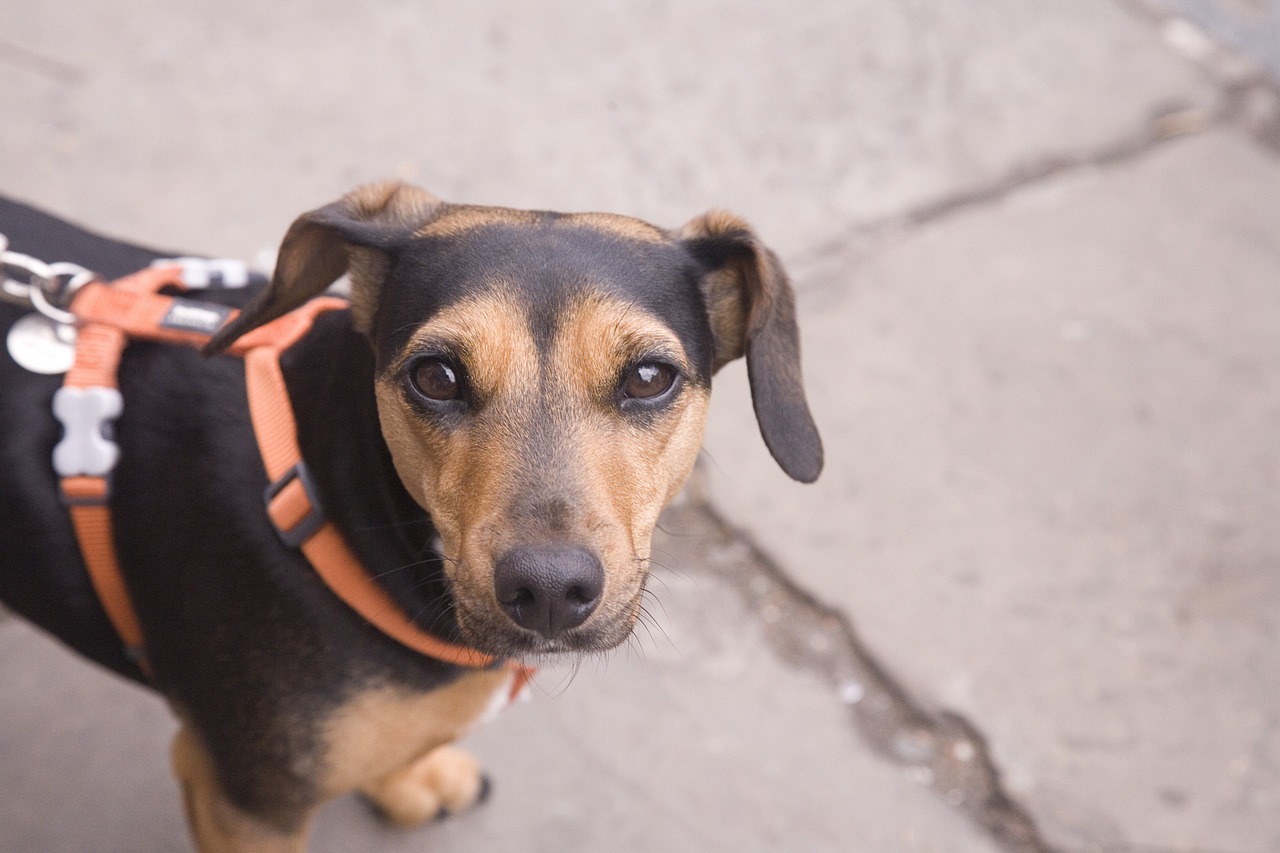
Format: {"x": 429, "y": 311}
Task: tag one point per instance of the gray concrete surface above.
{"x": 1250, "y": 27}
{"x": 1038, "y": 265}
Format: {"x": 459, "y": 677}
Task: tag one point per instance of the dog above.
{"x": 493, "y": 425}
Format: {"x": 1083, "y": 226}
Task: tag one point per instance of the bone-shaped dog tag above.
{"x": 85, "y": 449}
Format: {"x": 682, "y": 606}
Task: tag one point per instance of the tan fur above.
{"x": 502, "y": 363}
{"x": 623, "y": 226}
{"x": 725, "y": 289}
{"x": 366, "y": 270}
{"x": 727, "y": 311}
{"x": 390, "y": 743}
{"x": 620, "y": 477}
{"x": 446, "y": 780}
{"x": 389, "y": 202}
{"x": 383, "y": 731}
{"x": 459, "y": 219}
{"x": 217, "y": 825}
{"x": 641, "y": 469}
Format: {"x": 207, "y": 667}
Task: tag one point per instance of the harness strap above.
{"x": 131, "y": 307}
{"x": 92, "y": 523}
{"x": 86, "y": 492}
{"x": 290, "y": 501}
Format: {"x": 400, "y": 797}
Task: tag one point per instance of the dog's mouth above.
{"x": 494, "y": 631}
{"x": 544, "y": 596}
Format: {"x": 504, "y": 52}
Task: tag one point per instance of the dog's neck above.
{"x": 330, "y": 377}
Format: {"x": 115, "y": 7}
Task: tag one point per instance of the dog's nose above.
{"x": 548, "y": 589}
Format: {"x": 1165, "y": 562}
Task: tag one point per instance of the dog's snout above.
{"x": 548, "y": 589}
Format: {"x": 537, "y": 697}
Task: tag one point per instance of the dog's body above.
{"x": 533, "y": 395}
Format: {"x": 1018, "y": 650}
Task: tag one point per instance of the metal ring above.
{"x": 41, "y": 303}
{"x": 42, "y": 288}
{"x": 77, "y": 275}
{"x": 31, "y": 266}
{"x": 15, "y": 291}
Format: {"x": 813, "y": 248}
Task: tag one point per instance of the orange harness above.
{"x": 132, "y": 307}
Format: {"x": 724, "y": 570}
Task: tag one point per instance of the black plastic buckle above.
{"x": 312, "y": 522}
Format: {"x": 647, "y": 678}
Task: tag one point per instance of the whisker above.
{"x": 412, "y": 565}
{"x": 656, "y": 600}
{"x": 392, "y": 525}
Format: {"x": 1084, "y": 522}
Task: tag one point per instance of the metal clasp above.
{"x": 310, "y": 523}
{"x": 48, "y": 288}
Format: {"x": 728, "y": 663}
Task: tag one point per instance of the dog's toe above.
{"x": 445, "y": 781}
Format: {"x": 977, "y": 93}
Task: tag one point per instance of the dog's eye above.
{"x": 435, "y": 379}
{"x": 648, "y": 380}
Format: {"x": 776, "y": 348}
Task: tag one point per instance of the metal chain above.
{"x": 32, "y": 283}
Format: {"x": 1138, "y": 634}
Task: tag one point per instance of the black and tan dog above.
{"x": 494, "y": 425}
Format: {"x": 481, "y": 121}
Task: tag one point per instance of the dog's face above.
{"x": 542, "y": 382}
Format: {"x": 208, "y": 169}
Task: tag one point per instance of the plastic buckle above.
{"x": 312, "y": 522}
{"x": 86, "y": 448}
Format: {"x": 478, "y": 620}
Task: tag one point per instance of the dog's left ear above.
{"x": 752, "y": 310}
{"x": 354, "y": 232}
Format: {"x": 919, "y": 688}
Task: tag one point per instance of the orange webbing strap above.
{"x": 292, "y": 503}
{"x": 98, "y": 350}
{"x": 131, "y": 307}
{"x": 146, "y": 315}
{"x": 91, "y": 519}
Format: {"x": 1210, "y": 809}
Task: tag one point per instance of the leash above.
{"x": 109, "y": 315}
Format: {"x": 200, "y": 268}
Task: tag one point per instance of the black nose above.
{"x": 548, "y": 589}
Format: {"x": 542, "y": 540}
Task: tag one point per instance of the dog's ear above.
{"x": 752, "y": 310}
{"x": 353, "y": 233}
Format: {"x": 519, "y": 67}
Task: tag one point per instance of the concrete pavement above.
{"x": 1031, "y": 603}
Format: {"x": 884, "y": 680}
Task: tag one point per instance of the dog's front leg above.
{"x": 217, "y": 824}
{"x": 444, "y": 781}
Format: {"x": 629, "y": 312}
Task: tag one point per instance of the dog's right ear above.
{"x": 752, "y": 311}
{"x": 354, "y": 233}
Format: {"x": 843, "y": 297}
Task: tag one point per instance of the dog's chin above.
{"x": 503, "y": 639}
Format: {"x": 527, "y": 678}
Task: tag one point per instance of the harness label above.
{"x": 188, "y": 315}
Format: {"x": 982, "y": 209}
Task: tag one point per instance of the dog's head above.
{"x": 542, "y": 382}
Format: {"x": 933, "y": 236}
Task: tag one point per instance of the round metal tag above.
{"x": 41, "y": 345}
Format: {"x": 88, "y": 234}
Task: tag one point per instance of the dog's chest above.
{"x": 382, "y": 729}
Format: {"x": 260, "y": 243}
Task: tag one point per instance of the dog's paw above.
{"x": 445, "y": 781}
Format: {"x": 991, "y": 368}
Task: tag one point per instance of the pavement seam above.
{"x": 1246, "y": 100}
{"x": 863, "y": 237}
{"x": 939, "y": 749}
{"x": 39, "y": 64}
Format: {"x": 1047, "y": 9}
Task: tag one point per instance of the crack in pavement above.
{"x": 1247, "y": 99}
{"x": 1164, "y": 126}
{"x": 37, "y": 63}
{"x": 942, "y": 749}
{"x": 939, "y": 749}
